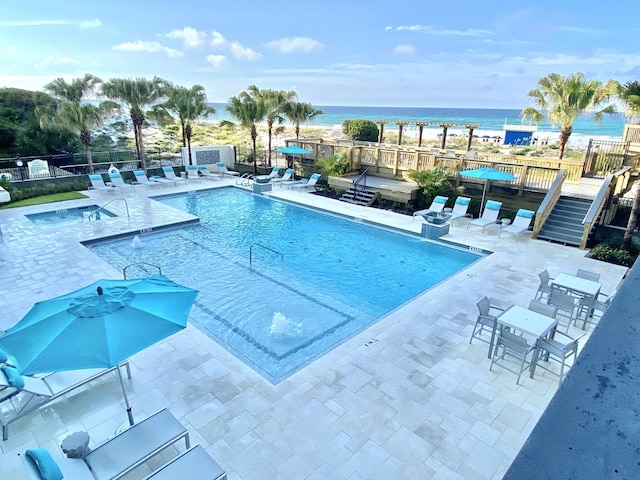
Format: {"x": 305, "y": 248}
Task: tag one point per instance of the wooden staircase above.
{"x": 360, "y": 196}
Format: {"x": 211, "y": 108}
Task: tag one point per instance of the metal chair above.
{"x": 587, "y": 275}
{"x": 543, "y": 308}
{"x": 567, "y": 307}
{"x": 560, "y": 348}
{"x": 509, "y": 344}
{"x": 544, "y": 289}
{"x": 485, "y": 320}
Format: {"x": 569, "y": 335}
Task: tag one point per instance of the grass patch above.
{"x": 54, "y": 197}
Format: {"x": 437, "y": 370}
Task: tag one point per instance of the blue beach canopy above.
{"x": 293, "y": 150}
{"x": 486, "y": 174}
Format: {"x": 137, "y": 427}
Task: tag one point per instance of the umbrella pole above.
{"x": 124, "y": 393}
{"x": 484, "y": 193}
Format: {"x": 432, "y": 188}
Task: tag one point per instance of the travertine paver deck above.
{"x": 407, "y": 398}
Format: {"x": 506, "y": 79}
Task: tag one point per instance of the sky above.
{"x": 403, "y": 53}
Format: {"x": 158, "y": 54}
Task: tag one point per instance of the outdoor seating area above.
{"x": 521, "y": 339}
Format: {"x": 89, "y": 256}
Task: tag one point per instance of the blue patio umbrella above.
{"x": 98, "y": 326}
{"x": 486, "y": 174}
{"x": 293, "y": 150}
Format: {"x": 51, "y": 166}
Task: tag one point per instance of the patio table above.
{"x": 528, "y": 321}
{"x": 587, "y": 289}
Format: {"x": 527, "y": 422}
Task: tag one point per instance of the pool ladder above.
{"x": 266, "y": 248}
{"x": 95, "y": 212}
{"x": 245, "y": 180}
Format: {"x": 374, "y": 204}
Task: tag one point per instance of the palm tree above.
{"x": 80, "y": 118}
{"x": 249, "y": 111}
{"x": 629, "y": 93}
{"x": 72, "y": 113}
{"x": 275, "y": 101}
{"x": 563, "y": 100}
{"x": 137, "y": 94}
{"x": 298, "y": 112}
{"x": 188, "y": 104}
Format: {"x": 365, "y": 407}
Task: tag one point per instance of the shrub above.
{"x": 335, "y": 165}
{"x": 611, "y": 254}
{"x": 363, "y": 130}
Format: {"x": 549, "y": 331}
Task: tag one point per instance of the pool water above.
{"x": 280, "y": 284}
{"x": 69, "y": 216}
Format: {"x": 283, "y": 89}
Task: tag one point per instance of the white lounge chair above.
{"x": 171, "y": 175}
{"x": 204, "y": 171}
{"x": 489, "y": 215}
{"x": 121, "y": 454}
{"x": 118, "y": 182}
{"x": 225, "y": 171}
{"x": 285, "y": 178}
{"x": 437, "y": 205}
{"x": 192, "y": 173}
{"x": 275, "y": 173}
{"x": 97, "y": 183}
{"x": 521, "y": 223}
{"x": 311, "y": 183}
{"x": 17, "y": 402}
{"x": 142, "y": 179}
{"x": 460, "y": 209}
{"x": 194, "y": 464}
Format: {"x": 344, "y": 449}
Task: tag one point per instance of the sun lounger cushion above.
{"x": 525, "y": 213}
{"x": 13, "y": 377}
{"x": 463, "y": 201}
{"x": 47, "y": 466}
{"x": 491, "y": 205}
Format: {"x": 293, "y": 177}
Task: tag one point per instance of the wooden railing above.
{"x": 631, "y": 134}
{"x": 597, "y": 205}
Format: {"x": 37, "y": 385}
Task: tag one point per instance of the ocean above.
{"x": 490, "y": 120}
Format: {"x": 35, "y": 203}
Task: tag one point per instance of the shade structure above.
{"x": 487, "y": 174}
{"x": 293, "y": 150}
{"x": 98, "y": 326}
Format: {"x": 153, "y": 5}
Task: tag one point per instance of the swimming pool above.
{"x": 279, "y": 284}
{"x": 69, "y": 216}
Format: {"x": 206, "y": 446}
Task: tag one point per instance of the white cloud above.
{"x": 386, "y": 29}
{"x": 295, "y": 44}
{"x": 33, "y": 23}
{"x": 241, "y": 52}
{"x": 405, "y": 50}
{"x": 217, "y": 39}
{"x": 141, "y": 46}
{"x": 58, "y": 60}
{"x": 218, "y": 61}
{"x": 95, "y": 23}
{"x": 471, "y": 32}
{"x": 190, "y": 36}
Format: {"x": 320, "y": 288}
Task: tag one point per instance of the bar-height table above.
{"x": 527, "y": 321}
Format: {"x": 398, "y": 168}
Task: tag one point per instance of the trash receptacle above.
{"x": 76, "y": 445}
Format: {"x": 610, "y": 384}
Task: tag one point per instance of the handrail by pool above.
{"x": 266, "y": 248}
{"x": 124, "y": 270}
{"x": 126, "y": 205}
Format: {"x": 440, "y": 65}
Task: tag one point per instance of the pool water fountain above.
{"x": 282, "y": 327}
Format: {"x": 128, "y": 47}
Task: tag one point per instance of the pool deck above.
{"x": 408, "y": 398}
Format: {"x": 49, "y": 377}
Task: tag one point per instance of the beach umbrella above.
{"x": 98, "y": 326}
{"x": 487, "y": 174}
{"x": 294, "y": 150}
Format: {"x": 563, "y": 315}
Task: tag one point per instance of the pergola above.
{"x": 445, "y": 126}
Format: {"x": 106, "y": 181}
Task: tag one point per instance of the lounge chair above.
{"x": 288, "y": 174}
{"x": 489, "y": 215}
{"x": 225, "y": 171}
{"x": 118, "y": 182}
{"x": 460, "y": 209}
{"x": 204, "y": 171}
{"x": 142, "y": 179}
{"x": 275, "y": 173}
{"x": 521, "y": 223}
{"x": 192, "y": 173}
{"x": 437, "y": 205}
{"x": 97, "y": 183}
{"x": 311, "y": 183}
{"x": 171, "y": 175}
{"x": 194, "y": 464}
{"x": 38, "y": 391}
{"x": 121, "y": 454}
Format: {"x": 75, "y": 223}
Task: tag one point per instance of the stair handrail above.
{"x": 361, "y": 178}
{"x": 549, "y": 202}
{"x": 255, "y": 244}
{"x": 598, "y": 203}
{"x": 126, "y": 206}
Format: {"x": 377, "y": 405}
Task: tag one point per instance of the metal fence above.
{"x": 64, "y": 165}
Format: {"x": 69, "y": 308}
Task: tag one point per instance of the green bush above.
{"x": 611, "y": 254}
{"x": 335, "y": 165}
{"x": 362, "y": 130}
{"x": 44, "y": 188}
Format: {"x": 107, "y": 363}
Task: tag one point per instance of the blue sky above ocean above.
{"x": 404, "y": 53}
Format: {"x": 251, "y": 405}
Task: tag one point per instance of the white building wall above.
{"x": 210, "y": 155}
